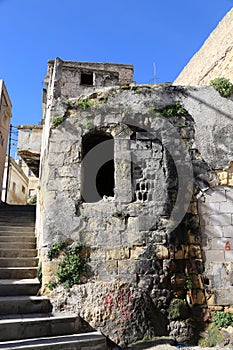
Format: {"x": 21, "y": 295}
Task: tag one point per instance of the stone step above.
{"x": 34, "y": 327}
{"x": 17, "y": 245}
{"x": 18, "y": 253}
{"x": 15, "y": 287}
{"x": 24, "y": 305}
{"x": 19, "y": 262}
{"x": 83, "y": 341}
{"x": 18, "y": 272}
{"x": 17, "y": 230}
{"x": 19, "y": 214}
{"x": 17, "y": 222}
{"x": 19, "y": 239}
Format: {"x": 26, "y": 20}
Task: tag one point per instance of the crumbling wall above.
{"x": 145, "y": 242}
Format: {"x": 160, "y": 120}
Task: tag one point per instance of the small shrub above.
{"x": 51, "y": 285}
{"x": 172, "y": 110}
{"x": 72, "y": 266}
{"x": 55, "y": 250}
{"x": 223, "y": 86}
{"x": 71, "y": 104}
{"x": 223, "y": 319}
{"x": 212, "y": 338}
{"x": 84, "y": 103}
{"x": 57, "y": 120}
{"x": 178, "y": 310}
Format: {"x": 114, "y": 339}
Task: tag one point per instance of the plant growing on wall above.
{"x": 171, "y": 110}
{"x": 223, "y": 86}
{"x": 223, "y": 319}
{"x": 73, "y": 263}
{"x": 84, "y": 103}
{"x": 57, "y": 120}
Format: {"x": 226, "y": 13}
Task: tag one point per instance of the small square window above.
{"x": 87, "y": 79}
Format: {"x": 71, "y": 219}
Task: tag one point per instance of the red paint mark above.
{"x": 121, "y": 301}
{"x": 227, "y": 246}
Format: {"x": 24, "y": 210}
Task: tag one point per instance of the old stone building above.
{"x": 5, "y": 116}
{"x": 16, "y": 190}
{"x": 214, "y": 59}
{"x": 140, "y": 176}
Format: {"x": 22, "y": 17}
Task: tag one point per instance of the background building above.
{"x": 5, "y": 116}
{"x": 15, "y": 184}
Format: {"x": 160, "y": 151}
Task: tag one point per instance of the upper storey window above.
{"x": 97, "y": 166}
{"x": 87, "y": 78}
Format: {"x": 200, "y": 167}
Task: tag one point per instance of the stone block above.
{"x": 212, "y": 231}
{"x": 208, "y": 208}
{"x": 126, "y": 267}
{"x": 210, "y": 299}
{"x": 137, "y": 252}
{"x": 216, "y": 195}
{"x": 157, "y": 237}
{"x": 220, "y": 220}
{"x": 223, "y": 296}
{"x": 117, "y": 254}
{"x": 195, "y": 251}
{"x": 229, "y": 195}
{"x": 98, "y": 254}
{"x": 146, "y": 222}
{"x": 134, "y": 238}
{"x": 229, "y": 253}
{"x": 228, "y": 309}
{"x": 214, "y": 255}
{"x": 197, "y": 281}
{"x": 195, "y": 266}
{"x": 193, "y": 238}
{"x": 178, "y": 281}
{"x": 215, "y": 308}
{"x": 227, "y": 231}
{"x": 182, "y": 253}
{"x": 223, "y": 177}
{"x": 162, "y": 252}
{"x": 225, "y": 244}
{"x": 197, "y": 297}
{"x": 105, "y": 269}
{"x": 226, "y": 207}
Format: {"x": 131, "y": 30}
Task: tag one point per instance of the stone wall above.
{"x": 214, "y": 59}
{"x": 144, "y": 242}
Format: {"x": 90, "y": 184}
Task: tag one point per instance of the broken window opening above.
{"x": 96, "y": 173}
{"x": 87, "y": 79}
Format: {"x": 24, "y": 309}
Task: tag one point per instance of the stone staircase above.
{"x": 26, "y": 320}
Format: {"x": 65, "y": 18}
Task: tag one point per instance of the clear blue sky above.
{"x": 165, "y": 32}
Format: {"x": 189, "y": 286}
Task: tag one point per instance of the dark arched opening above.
{"x": 97, "y": 166}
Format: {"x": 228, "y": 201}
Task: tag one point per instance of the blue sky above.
{"x": 164, "y": 32}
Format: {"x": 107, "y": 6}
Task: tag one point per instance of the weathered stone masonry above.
{"x": 140, "y": 256}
